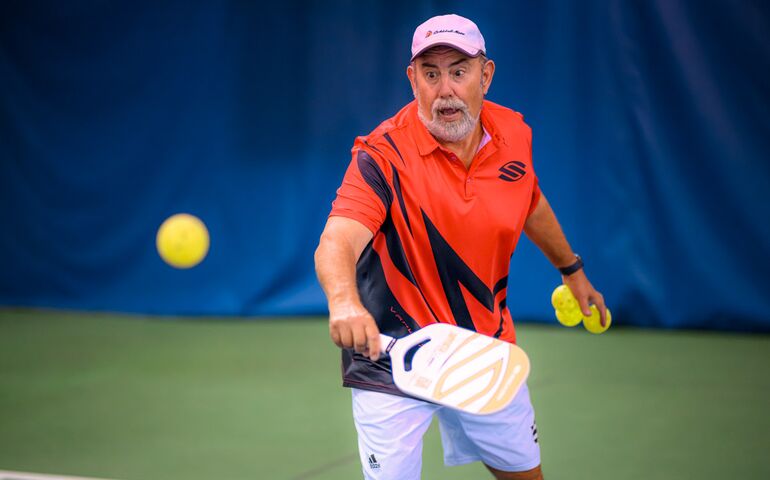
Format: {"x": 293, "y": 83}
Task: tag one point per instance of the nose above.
{"x": 445, "y": 88}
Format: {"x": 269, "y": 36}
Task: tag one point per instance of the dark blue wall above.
{"x": 651, "y": 139}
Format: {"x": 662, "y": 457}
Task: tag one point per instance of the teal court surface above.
{"x": 144, "y": 398}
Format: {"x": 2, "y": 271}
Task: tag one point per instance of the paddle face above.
{"x": 458, "y": 368}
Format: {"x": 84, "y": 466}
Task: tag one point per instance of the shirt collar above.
{"x": 426, "y": 143}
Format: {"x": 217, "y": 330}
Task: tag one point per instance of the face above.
{"x": 449, "y": 87}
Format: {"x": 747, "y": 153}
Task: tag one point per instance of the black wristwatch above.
{"x": 570, "y": 269}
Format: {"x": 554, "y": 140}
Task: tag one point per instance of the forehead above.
{"x": 442, "y": 56}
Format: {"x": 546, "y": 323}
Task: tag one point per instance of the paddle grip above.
{"x": 386, "y": 343}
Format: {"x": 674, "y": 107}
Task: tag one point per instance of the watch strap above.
{"x": 570, "y": 269}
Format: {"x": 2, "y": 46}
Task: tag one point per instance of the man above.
{"x": 422, "y": 230}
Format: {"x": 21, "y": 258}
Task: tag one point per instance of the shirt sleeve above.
{"x": 535, "y": 197}
{"x": 365, "y": 194}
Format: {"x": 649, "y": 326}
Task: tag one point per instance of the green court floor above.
{"x": 139, "y": 398}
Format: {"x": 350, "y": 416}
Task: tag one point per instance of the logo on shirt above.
{"x": 373, "y": 464}
{"x": 513, "y": 171}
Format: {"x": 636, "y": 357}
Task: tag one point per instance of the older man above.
{"x": 422, "y": 231}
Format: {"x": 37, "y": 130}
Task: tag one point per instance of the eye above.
{"x": 459, "y": 73}
{"x": 431, "y": 75}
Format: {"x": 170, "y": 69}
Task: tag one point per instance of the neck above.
{"x": 466, "y": 148}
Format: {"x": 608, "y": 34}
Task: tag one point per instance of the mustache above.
{"x": 453, "y": 103}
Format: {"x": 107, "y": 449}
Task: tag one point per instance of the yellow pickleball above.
{"x": 593, "y": 323}
{"x": 566, "y": 306}
{"x": 562, "y": 299}
{"x": 182, "y": 240}
{"x": 569, "y": 318}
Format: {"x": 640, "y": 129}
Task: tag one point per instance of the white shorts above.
{"x": 390, "y": 430}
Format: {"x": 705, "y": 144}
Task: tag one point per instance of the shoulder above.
{"x": 395, "y": 125}
{"x": 505, "y": 119}
{"x": 381, "y": 142}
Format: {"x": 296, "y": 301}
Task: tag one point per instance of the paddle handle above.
{"x": 386, "y": 343}
{"x": 400, "y": 375}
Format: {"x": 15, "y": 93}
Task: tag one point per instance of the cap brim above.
{"x": 443, "y": 43}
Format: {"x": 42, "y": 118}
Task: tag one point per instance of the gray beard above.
{"x": 449, "y": 131}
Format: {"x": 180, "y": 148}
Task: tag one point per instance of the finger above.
{"x": 335, "y": 335}
{"x": 585, "y": 307}
{"x": 373, "y": 341}
{"x": 346, "y": 337}
{"x": 359, "y": 339}
{"x": 598, "y": 300}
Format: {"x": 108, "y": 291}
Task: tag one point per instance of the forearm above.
{"x": 350, "y": 324}
{"x": 544, "y": 230}
{"x": 335, "y": 264}
{"x": 342, "y": 242}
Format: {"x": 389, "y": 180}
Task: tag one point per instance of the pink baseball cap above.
{"x": 451, "y": 31}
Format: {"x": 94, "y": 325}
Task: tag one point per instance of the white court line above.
{"x": 5, "y": 475}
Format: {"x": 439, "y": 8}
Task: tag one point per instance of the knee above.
{"x": 534, "y": 474}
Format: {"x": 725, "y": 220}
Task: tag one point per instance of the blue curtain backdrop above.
{"x": 651, "y": 139}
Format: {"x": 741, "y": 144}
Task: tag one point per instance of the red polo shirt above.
{"x": 443, "y": 234}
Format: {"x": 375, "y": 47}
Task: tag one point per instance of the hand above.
{"x": 586, "y": 294}
{"x": 351, "y": 326}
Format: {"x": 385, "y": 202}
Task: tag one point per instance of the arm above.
{"x": 544, "y": 231}
{"x": 350, "y": 325}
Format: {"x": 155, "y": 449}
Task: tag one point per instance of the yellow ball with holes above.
{"x": 562, "y": 299}
{"x": 569, "y": 318}
{"x": 594, "y": 324}
{"x": 182, "y": 240}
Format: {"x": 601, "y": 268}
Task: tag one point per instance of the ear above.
{"x": 411, "y": 75}
{"x": 487, "y": 72}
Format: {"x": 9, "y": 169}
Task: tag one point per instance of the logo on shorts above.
{"x": 534, "y": 431}
{"x": 373, "y": 464}
{"x": 513, "y": 171}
